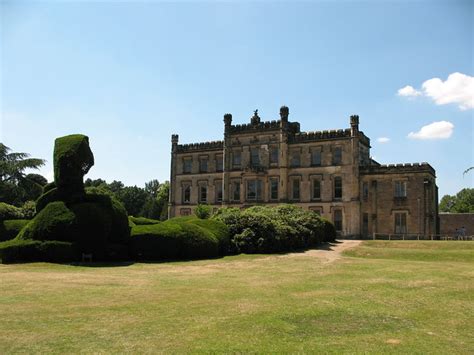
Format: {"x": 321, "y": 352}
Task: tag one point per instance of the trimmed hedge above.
{"x": 178, "y": 238}
{"x": 274, "y": 229}
{"x": 9, "y": 212}
{"x": 9, "y": 229}
{"x": 16, "y": 250}
{"x": 140, "y": 221}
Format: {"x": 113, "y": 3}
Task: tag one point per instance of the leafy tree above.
{"x": 133, "y": 199}
{"x": 12, "y": 173}
{"x": 462, "y": 202}
{"x": 32, "y": 186}
{"x": 163, "y": 198}
{"x": 152, "y": 187}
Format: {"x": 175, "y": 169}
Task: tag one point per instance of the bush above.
{"x": 9, "y": 212}
{"x": 14, "y": 251}
{"x": 203, "y": 211}
{"x": 139, "y": 221}
{"x": 177, "y": 238}
{"x": 28, "y": 209}
{"x": 9, "y": 229}
{"x": 274, "y": 229}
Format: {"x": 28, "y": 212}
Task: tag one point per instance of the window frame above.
{"x": 313, "y": 189}
{"x": 337, "y": 157}
{"x": 400, "y": 225}
{"x": 190, "y": 161}
{"x": 314, "y": 152}
{"x": 337, "y": 221}
{"x": 183, "y": 197}
{"x": 337, "y": 188}
{"x": 271, "y": 191}
{"x": 201, "y": 200}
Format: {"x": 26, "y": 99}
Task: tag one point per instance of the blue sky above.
{"x": 129, "y": 74}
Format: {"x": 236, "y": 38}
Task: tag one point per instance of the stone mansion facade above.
{"x": 329, "y": 172}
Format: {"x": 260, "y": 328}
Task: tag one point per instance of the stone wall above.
{"x": 449, "y": 222}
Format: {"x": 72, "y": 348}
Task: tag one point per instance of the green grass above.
{"x": 383, "y": 297}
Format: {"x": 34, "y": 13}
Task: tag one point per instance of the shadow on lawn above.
{"x": 327, "y": 246}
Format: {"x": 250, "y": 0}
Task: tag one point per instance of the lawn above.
{"x": 398, "y": 297}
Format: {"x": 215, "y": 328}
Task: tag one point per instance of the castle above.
{"x": 329, "y": 172}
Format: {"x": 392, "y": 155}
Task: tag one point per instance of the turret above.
{"x": 354, "y": 125}
{"x": 227, "y": 121}
{"x": 174, "y": 142}
{"x": 284, "y": 112}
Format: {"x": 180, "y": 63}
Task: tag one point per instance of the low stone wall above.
{"x": 449, "y": 222}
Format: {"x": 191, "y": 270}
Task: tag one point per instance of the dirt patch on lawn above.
{"x": 328, "y": 252}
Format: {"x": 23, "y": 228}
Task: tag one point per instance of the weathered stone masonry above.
{"x": 330, "y": 172}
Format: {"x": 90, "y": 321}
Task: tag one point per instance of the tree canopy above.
{"x": 462, "y": 202}
{"x": 15, "y": 184}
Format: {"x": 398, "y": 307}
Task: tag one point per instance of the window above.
{"x": 338, "y": 220}
{"x": 187, "y": 165}
{"x": 337, "y": 156}
{"x": 203, "y": 165}
{"x": 203, "y": 194}
{"x": 400, "y": 223}
{"x": 236, "y": 191}
{"x": 295, "y": 191}
{"x": 365, "y": 191}
{"x": 219, "y": 163}
{"x": 218, "y": 191}
{"x": 186, "y": 193}
{"x": 274, "y": 189}
{"x": 365, "y": 224}
{"x": 254, "y": 190}
{"x": 316, "y": 189}
{"x": 295, "y": 159}
{"x": 274, "y": 155}
{"x": 236, "y": 159}
{"x": 337, "y": 187}
{"x": 254, "y": 157}
{"x": 316, "y": 157}
{"x": 400, "y": 189}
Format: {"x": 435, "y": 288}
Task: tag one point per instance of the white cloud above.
{"x": 383, "y": 139}
{"x": 435, "y": 130}
{"x": 408, "y": 91}
{"x": 457, "y": 89}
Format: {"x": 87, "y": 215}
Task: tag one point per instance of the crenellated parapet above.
{"x": 398, "y": 168}
{"x": 205, "y": 146}
{"x": 320, "y": 135}
{"x": 255, "y": 127}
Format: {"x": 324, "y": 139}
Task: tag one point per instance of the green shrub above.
{"x": 262, "y": 229}
{"x": 203, "y": 211}
{"x": 54, "y": 222}
{"x": 9, "y": 212}
{"x": 72, "y": 160}
{"x": 28, "y": 209}
{"x": 9, "y": 229}
{"x": 173, "y": 239}
{"x": 139, "y": 221}
{"x": 17, "y": 250}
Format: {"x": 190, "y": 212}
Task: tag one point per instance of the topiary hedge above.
{"x": 9, "y": 229}
{"x": 179, "y": 238}
{"x": 18, "y": 250}
{"x": 9, "y": 212}
{"x": 140, "y": 221}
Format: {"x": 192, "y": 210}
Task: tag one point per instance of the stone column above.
{"x": 356, "y": 214}
{"x": 227, "y": 156}
{"x": 173, "y": 183}
{"x": 283, "y": 159}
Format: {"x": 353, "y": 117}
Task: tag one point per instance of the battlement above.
{"x": 252, "y": 127}
{"x": 195, "y": 147}
{"x": 398, "y": 168}
{"x": 320, "y": 135}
